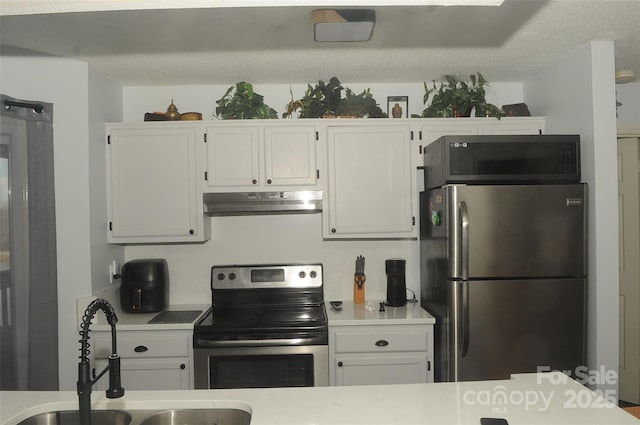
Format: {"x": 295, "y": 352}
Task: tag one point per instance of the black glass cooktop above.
{"x": 252, "y": 318}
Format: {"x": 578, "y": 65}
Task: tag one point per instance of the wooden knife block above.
{"x": 358, "y": 289}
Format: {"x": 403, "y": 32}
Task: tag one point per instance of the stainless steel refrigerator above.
{"x": 504, "y": 254}
{"x": 504, "y": 271}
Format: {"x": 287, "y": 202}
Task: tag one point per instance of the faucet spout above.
{"x": 85, "y": 382}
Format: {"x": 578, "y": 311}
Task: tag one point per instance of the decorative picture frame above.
{"x": 398, "y": 106}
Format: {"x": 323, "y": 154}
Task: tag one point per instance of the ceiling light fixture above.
{"x": 343, "y": 24}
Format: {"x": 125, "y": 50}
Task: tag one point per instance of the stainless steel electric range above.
{"x": 267, "y": 327}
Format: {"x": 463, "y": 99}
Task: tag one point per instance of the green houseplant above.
{"x": 241, "y": 102}
{"x": 457, "y": 98}
{"x": 326, "y": 101}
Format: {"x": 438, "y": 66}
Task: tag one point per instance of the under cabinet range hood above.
{"x": 254, "y": 203}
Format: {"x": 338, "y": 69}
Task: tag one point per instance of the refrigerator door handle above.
{"x": 464, "y": 318}
{"x": 464, "y": 240}
{"x": 464, "y": 275}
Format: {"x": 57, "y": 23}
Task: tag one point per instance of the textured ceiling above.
{"x": 275, "y": 44}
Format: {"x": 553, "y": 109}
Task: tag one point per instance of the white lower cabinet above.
{"x": 150, "y": 360}
{"x": 381, "y": 369}
{"x": 150, "y": 374}
{"x": 380, "y": 354}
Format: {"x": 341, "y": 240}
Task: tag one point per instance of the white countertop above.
{"x": 351, "y": 314}
{"x": 525, "y": 399}
{"x": 357, "y": 314}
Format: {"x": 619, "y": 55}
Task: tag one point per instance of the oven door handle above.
{"x": 205, "y": 343}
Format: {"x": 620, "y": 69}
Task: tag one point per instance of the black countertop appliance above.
{"x": 396, "y": 284}
{"x": 145, "y": 286}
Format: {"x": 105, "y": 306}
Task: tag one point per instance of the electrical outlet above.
{"x": 113, "y": 271}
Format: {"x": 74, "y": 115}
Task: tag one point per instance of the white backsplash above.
{"x": 269, "y": 239}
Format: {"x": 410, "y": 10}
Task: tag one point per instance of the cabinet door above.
{"x": 232, "y": 156}
{"x": 509, "y": 125}
{"x": 371, "y": 182}
{"x": 381, "y": 369}
{"x": 149, "y": 374}
{"x": 152, "y": 185}
{"x": 290, "y": 155}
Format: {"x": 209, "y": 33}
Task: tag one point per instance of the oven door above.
{"x": 261, "y": 367}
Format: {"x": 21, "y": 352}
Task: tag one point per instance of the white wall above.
{"x": 141, "y": 99}
{"x": 629, "y": 112}
{"x": 576, "y": 95}
{"x": 65, "y": 83}
{"x": 277, "y": 239}
{"x": 104, "y": 104}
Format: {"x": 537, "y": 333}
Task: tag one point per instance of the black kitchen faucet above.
{"x": 85, "y": 382}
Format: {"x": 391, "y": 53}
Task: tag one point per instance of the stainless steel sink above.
{"x": 71, "y": 417}
{"x": 212, "y": 416}
{"x": 199, "y": 417}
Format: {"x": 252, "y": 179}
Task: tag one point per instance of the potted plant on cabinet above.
{"x": 457, "y": 98}
{"x": 242, "y": 102}
{"x": 326, "y": 101}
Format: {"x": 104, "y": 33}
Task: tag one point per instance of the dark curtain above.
{"x": 30, "y": 326}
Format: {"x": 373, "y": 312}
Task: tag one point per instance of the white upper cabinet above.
{"x": 260, "y": 157}
{"x": 371, "y": 182}
{"x": 232, "y": 156}
{"x": 152, "y": 186}
{"x": 157, "y": 172}
{"x": 514, "y": 125}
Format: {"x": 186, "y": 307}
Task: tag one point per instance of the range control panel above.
{"x": 266, "y": 276}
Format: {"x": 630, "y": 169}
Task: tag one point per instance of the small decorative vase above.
{"x": 172, "y": 113}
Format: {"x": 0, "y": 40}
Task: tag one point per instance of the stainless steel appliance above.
{"x": 504, "y": 271}
{"x": 267, "y": 327}
{"x": 525, "y": 159}
{"x": 255, "y": 203}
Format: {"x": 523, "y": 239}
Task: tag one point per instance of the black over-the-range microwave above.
{"x": 502, "y": 159}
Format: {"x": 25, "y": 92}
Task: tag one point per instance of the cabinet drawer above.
{"x": 150, "y": 374}
{"x": 351, "y": 342}
{"x": 136, "y": 347}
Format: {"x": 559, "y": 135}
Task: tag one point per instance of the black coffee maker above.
{"x": 396, "y": 284}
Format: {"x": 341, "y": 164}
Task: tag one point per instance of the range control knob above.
{"x": 302, "y": 275}
{"x": 232, "y": 276}
{"x": 221, "y": 276}
{"x": 313, "y": 274}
